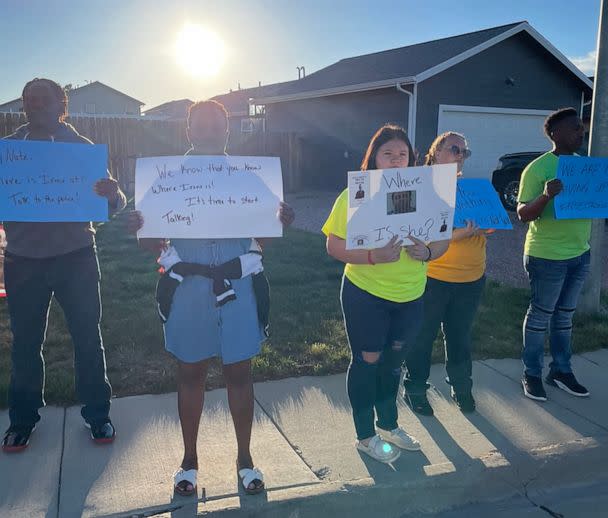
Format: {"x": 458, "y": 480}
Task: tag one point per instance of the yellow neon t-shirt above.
{"x": 401, "y": 281}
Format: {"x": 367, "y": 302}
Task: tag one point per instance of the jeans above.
{"x": 555, "y": 287}
{"x": 451, "y": 306}
{"x": 30, "y": 284}
{"x": 377, "y": 325}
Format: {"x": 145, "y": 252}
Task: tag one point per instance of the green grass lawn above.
{"x": 307, "y": 334}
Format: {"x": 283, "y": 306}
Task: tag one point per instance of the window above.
{"x": 253, "y": 125}
{"x": 257, "y": 110}
{"x": 89, "y": 108}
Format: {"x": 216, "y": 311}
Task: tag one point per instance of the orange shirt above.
{"x": 464, "y": 261}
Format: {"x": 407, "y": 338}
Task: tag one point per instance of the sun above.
{"x": 199, "y": 51}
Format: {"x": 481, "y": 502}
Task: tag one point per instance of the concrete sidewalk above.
{"x": 303, "y": 440}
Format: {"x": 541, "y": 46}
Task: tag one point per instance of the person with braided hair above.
{"x": 43, "y": 260}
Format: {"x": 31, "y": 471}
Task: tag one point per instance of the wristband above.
{"x": 369, "y": 258}
{"x": 430, "y": 254}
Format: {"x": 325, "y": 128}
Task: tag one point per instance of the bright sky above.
{"x": 157, "y": 51}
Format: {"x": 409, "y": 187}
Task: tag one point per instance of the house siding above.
{"x": 334, "y": 131}
{"x": 541, "y": 83}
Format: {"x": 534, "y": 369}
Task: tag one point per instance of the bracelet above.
{"x": 369, "y": 258}
{"x": 430, "y": 254}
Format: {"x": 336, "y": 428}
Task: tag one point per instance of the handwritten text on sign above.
{"x": 585, "y": 193}
{"x": 387, "y": 202}
{"x": 51, "y": 181}
{"x": 478, "y": 201}
{"x": 209, "y": 196}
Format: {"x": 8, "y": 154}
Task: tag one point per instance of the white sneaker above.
{"x": 379, "y": 450}
{"x": 399, "y": 437}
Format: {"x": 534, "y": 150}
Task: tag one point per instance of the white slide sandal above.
{"x": 189, "y": 476}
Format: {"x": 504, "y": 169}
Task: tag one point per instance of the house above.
{"x": 495, "y": 86}
{"x": 172, "y": 110}
{"x": 245, "y": 118}
{"x": 94, "y": 98}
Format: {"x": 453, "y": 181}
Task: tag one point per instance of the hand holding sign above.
{"x": 286, "y": 214}
{"x": 419, "y": 251}
{"x": 553, "y": 188}
{"x": 107, "y": 188}
{"x": 389, "y": 253}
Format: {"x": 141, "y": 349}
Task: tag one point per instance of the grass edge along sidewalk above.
{"x": 307, "y": 332}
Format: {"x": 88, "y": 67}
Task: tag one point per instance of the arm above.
{"x": 420, "y": 251}
{"x": 458, "y": 234}
{"x": 286, "y": 215}
{"x": 109, "y": 189}
{"x": 134, "y": 221}
{"x": 438, "y": 248}
{"x": 533, "y": 209}
{"x": 336, "y": 247}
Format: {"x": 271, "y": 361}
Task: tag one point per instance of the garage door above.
{"x": 492, "y": 132}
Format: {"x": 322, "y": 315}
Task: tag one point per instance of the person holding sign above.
{"x": 381, "y": 299}
{"x": 43, "y": 260}
{"x": 453, "y": 291}
{"x": 557, "y": 260}
{"x": 210, "y": 306}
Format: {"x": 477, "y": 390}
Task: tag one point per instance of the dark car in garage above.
{"x": 505, "y": 177}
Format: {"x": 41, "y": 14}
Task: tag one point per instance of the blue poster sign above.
{"x": 51, "y": 181}
{"x": 585, "y": 192}
{"x": 478, "y": 201}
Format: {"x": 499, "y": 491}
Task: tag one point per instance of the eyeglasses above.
{"x": 465, "y": 152}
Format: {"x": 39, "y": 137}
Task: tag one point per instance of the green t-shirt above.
{"x": 401, "y": 281}
{"x": 547, "y": 237}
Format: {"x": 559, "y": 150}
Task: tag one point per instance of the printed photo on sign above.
{"x": 210, "y": 197}
{"x": 416, "y": 201}
{"x": 358, "y": 189}
{"x": 400, "y": 202}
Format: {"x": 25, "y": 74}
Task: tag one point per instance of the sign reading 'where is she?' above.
{"x": 417, "y": 201}
{"x": 478, "y": 201}
{"x": 212, "y": 197}
{"x": 51, "y": 181}
{"x": 585, "y": 192}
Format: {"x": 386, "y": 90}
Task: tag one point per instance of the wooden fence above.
{"x": 130, "y": 138}
{"x": 126, "y": 138}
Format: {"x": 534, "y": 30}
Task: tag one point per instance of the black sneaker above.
{"x": 418, "y": 403}
{"x": 567, "y": 382}
{"x": 17, "y": 438}
{"x": 464, "y": 400}
{"x": 533, "y": 388}
{"x": 102, "y": 432}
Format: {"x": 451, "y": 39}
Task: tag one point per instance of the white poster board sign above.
{"x": 416, "y": 200}
{"x": 211, "y": 197}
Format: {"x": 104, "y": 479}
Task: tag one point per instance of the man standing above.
{"x": 54, "y": 259}
{"x": 556, "y": 258}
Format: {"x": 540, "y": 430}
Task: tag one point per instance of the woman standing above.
{"x": 199, "y": 327}
{"x": 381, "y": 300}
{"x": 453, "y": 291}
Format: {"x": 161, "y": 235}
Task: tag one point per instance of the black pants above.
{"x": 30, "y": 284}
{"x": 380, "y": 326}
{"x": 451, "y": 306}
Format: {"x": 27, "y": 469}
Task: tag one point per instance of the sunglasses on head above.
{"x": 465, "y": 152}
